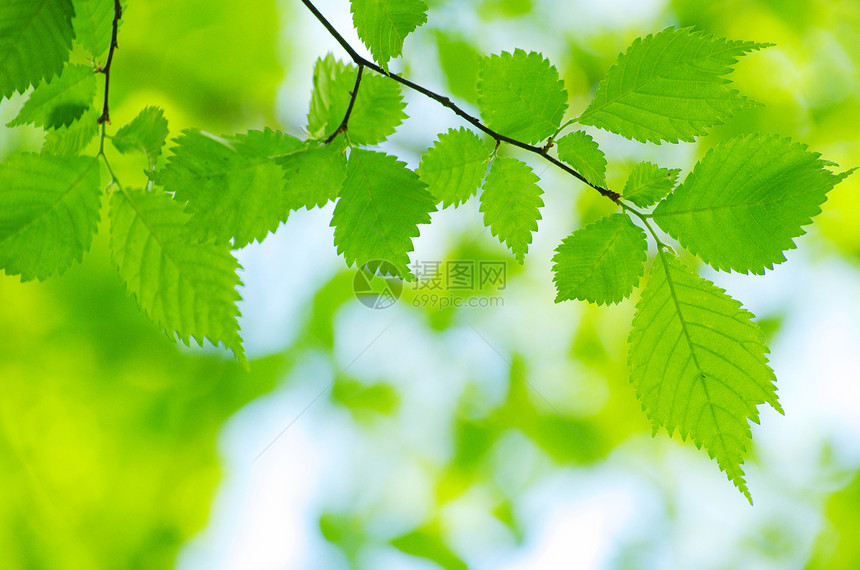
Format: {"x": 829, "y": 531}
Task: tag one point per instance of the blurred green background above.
{"x": 503, "y": 437}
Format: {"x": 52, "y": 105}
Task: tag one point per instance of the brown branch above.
{"x": 446, "y": 102}
{"x": 117, "y": 16}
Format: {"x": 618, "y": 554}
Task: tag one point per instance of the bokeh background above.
{"x": 487, "y": 438}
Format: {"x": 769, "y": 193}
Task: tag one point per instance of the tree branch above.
{"x": 117, "y": 16}
{"x": 344, "y": 125}
{"x": 446, "y": 102}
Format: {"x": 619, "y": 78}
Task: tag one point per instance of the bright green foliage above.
{"x": 601, "y": 262}
{"x": 669, "y": 87}
{"x": 35, "y": 39}
{"x": 745, "y": 200}
{"x": 460, "y": 62}
{"x": 146, "y": 133}
{"x": 698, "y": 365}
{"x": 61, "y": 101}
{"x": 71, "y": 140}
{"x": 49, "y": 209}
{"x": 454, "y": 168}
{"x": 580, "y": 151}
{"x": 648, "y": 183}
{"x": 378, "y": 111}
{"x": 186, "y": 286}
{"x": 94, "y": 25}
{"x": 314, "y": 175}
{"x": 521, "y": 95}
{"x": 510, "y": 203}
{"x": 379, "y": 209}
{"x": 233, "y": 188}
{"x": 384, "y": 24}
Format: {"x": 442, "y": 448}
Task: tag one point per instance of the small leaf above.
{"x": 94, "y": 25}
{"x": 379, "y": 210}
{"x": 698, "y": 365}
{"x": 461, "y": 62}
{"x": 521, "y": 95}
{"x": 35, "y": 39}
{"x": 72, "y": 140}
{"x": 146, "y": 133}
{"x": 648, "y": 183}
{"x": 669, "y": 87}
{"x": 384, "y": 24}
{"x": 234, "y": 188}
{"x": 378, "y": 110}
{"x": 745, "y": 200}
{"x": 601, "y": 262}
{"x": 580, "y": 151}
{"x": 314, "y": 175}
{"x": 49, "y": 209}
{"x": 510, "y": 203}
{"x": 185, "y": 286}
{"x": 61, "y": 101}
{"x": 454, "y": 168}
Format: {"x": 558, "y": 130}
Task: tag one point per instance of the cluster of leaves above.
{"x": 697, "y": 361}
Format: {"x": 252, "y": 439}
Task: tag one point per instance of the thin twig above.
{"x": 446, "y": 102}
{"x": 117, "y": 16}
{"x": 344, "y": 125}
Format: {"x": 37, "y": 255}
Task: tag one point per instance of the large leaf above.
{"x": 580, "y": 151}
{"x": 146, "y": 133}
{"x": 745, "y": 200}
{"x": 60, "y": 101}
{"x": 454, "y": 168}
{"x": 648, "y": 183}
{"x": 378, "y": 109}
{"x": 698, "y": 365}
{"x": 521, "y": 95}
{"x": 669, "y": 87}
{"x": 379, "y": 210}
{"x": 94, "y": 25}
{"x": 49, "y": 209}
{"x": 601, "y": 262}
{"x": 234, "y": 187}
{"x": 35, "y": 39}
{"x": 384, "y": 24}
{"x": 186, "y": 286}
{"x": 510, "y": 203}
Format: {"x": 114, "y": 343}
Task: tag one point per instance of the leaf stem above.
{"x": 117, "y": 16}
{"x": 446, "y": 102}
{"x": 344, "y": 125}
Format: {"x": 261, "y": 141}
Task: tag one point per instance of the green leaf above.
{"x": 94, "y": 25}
{"x": 601, "y": 262}
{"x": 234, "y": 188}
{"x": 183, "y": 285}
{"x": 379, "y": 210}
{"x": 580, "y": 151}
{"x": 35, "y": 39}
{"x": 647, "y": 183}
{"x": 698, "y": 365}
{"x": 669, "y": 87}
{"x": 378, "y": 110}
{"x": 745, "y": 200}
{"x": 510, "y": 203}
{"x": 72, "y": 140}
{"x": 427, "y": 542}
{"x": 60, "y": 101}
{"x": 49, "y": 209}
{"x": 314, "y": 175}
{"x": 146, "y": 133}
{"x": 461, "y": 63}
{"x": 521, "y": 96}
{"x": 454, "y": 168}
{"x": 384, "y": 24}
